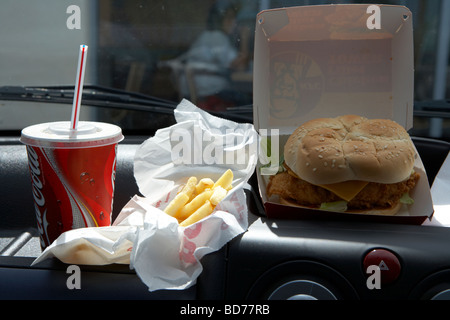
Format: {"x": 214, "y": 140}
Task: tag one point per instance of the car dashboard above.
{"x": 275, "y": 259}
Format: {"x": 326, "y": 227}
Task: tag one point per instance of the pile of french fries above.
{"x": 198, "y": 198}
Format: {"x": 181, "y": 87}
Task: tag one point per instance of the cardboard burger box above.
{"x": 331, "y": 60}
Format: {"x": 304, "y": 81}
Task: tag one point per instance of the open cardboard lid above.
{"x": 325, "y": 61}
{"x": 316, "y": 61}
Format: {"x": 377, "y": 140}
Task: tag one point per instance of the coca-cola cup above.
{"x": 72, "y": 175}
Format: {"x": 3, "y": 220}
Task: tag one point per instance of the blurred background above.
{"x": 145, "y": 47}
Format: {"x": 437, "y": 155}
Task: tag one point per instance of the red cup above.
{"x": 72, "y": 175}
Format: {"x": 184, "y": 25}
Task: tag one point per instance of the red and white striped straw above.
{"x": 78, "y": 87}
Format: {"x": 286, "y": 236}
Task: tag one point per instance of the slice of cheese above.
{"x": 346, "y": 190}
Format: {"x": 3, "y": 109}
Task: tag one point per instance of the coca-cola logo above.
{"x": 37, "y": 185}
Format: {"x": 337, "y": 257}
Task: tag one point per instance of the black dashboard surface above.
{"x": 274, "y": 259}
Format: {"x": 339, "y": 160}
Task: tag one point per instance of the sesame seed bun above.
{"x": 348, "y": 148}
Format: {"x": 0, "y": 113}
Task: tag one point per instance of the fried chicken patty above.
{"x": 373, "y": 196}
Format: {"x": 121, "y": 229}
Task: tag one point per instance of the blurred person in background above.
{"x": 204, "y": 70}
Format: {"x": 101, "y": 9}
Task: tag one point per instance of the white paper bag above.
{"x": 167, "y": 256}
{"x": 198, "y": 145}
{"x": 164, "y": 254}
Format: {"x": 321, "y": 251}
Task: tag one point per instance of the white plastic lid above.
{"x": 59, "y": 135}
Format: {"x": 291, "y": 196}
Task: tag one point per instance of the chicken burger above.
{"x": 347, "y": 164}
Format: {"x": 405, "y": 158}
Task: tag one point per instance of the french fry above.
{"x": 189, "y": 188}
{"x": 194, "y": 204}
{"x": 197, "y": 199}
{"x": 176, "y": 204}
{"x": 205, "y": 210}
{"x": 203, "y": 184}
{"x": 225, "y": 180}
{"x": 218, "y": 194}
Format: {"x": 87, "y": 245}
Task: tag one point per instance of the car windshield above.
{"x": 167, "y": 50}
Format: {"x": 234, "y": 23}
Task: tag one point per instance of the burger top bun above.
{"x": 333, "y": 150}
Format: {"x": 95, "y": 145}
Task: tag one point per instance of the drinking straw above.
{"x": 78, "y": 87}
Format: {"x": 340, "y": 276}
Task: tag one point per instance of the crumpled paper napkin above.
{"x": 163, "y": 254}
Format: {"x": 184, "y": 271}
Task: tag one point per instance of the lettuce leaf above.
{"x": 266, "y": 149}
{"x": 338, "y": 206}
{"x": 406, "y": 199}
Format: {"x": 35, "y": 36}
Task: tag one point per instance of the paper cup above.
{"x": 72, "y": 175}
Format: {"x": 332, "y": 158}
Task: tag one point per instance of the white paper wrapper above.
{"x": 92, "y": 246}
{"x": 163, "y": 254}
{"x": 166, "y": 255}
{"x": 187, "y": 149}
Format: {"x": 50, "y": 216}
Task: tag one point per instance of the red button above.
{"x": 387, "y": 262}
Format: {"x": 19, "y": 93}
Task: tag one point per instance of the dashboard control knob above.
{"x": 443, "y": 295}
{"x": 302, "y": 290}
